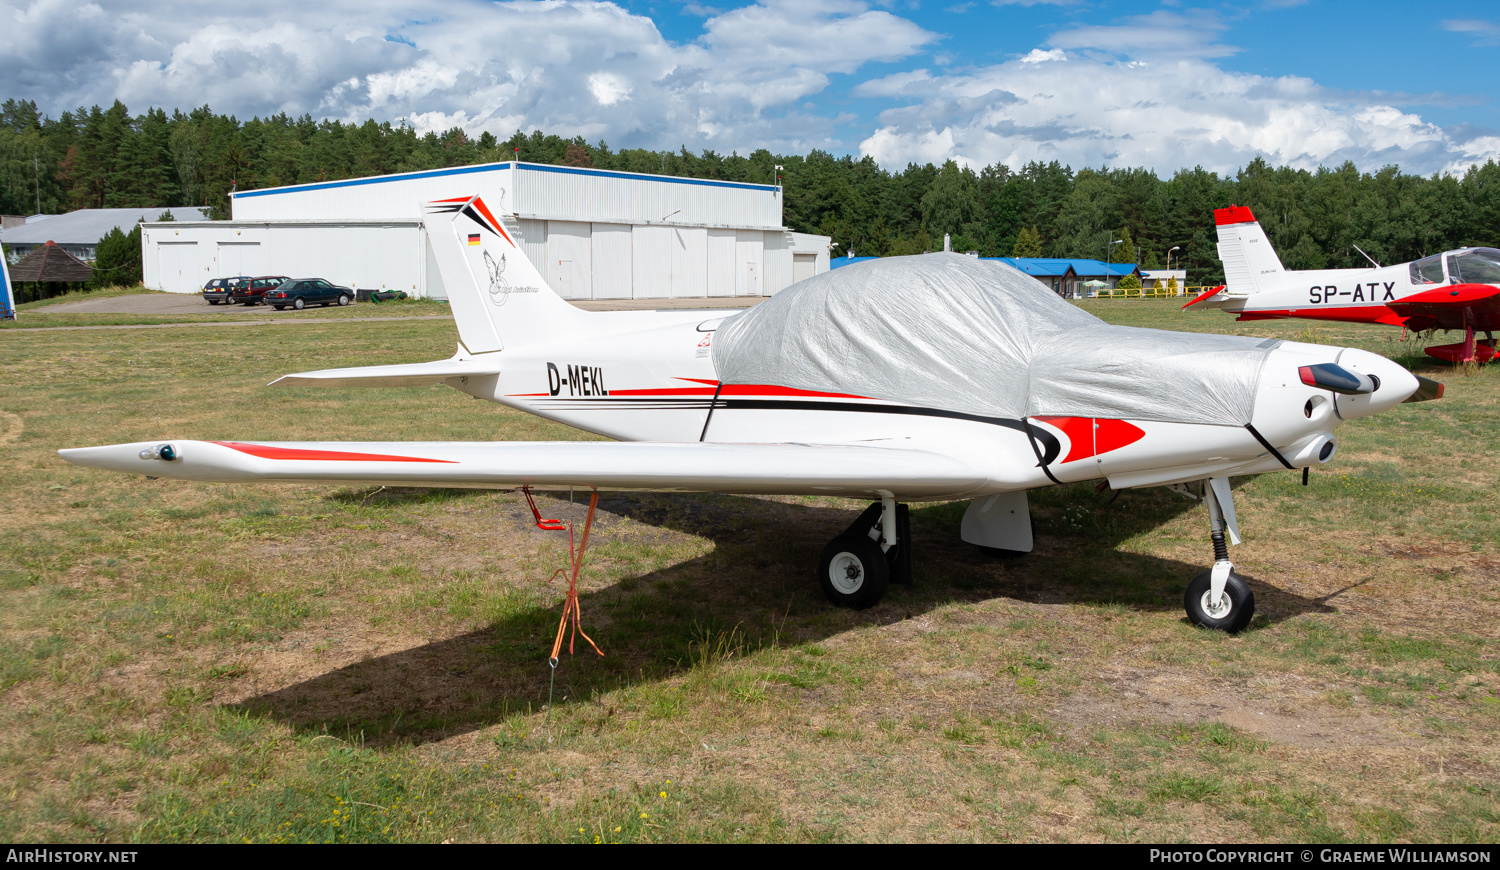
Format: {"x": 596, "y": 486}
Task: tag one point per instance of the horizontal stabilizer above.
{"x": 1205, "y": 297}
{"x": 787, "y": 469}
{"x": 407, "y": 375}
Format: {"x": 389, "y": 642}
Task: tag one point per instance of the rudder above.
{"x": 499, "y": 299}
{"x": 1244, "y": 249}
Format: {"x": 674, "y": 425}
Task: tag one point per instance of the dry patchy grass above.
{"x": 186, "y": 662}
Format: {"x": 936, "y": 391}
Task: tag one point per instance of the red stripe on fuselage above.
{"x": 1089, "y": 436}
{"x": 1344, "y": 314}
{"x": 1080, "y": 432}
{"x": 265, "y": 451}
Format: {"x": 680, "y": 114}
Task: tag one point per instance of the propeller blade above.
{"x": 1337, "y": 379}
{"x": 1427, "y": 390}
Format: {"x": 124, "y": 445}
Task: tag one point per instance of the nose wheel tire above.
{"x": 853, "y": 572}
{"x": 1231, "y": 613}
{"x": 343, "y": 300}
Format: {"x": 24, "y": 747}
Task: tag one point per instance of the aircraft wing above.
{"x": 1445, "y": 306}
{"x": 787, "y": 469}
{"x": 407, "y": 375}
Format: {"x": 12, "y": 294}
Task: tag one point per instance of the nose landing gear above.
{"x": 875, "y": 551}
{"x": 1219, "y": 598}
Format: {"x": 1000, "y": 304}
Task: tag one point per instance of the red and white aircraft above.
{"x": 1452, "y": 290}
{"x": 651, "y": 380}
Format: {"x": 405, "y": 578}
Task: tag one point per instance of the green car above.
{"x": 302, "y": 292}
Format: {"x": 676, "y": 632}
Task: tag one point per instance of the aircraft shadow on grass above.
{"x": 758, "y": 583}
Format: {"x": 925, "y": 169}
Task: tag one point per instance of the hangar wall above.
{"x": 594, "y": 234}
{"x": 181, "y": 256}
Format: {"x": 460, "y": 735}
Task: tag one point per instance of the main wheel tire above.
{"x": 298, "y": 303}
{"x": 853, "y": 572}
{"x": 1232, "y": 615}
{"x": 343, "y": 299}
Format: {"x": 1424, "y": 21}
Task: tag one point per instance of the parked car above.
{"x": 219, "y": 289}
{"x": 302, "y": 292}
{"x": 252, "y": 293}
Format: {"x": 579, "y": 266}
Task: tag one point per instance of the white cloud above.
{"x": 1036, "y": 55}
{"x": 572, "y": 67}
{"x": 608, "y": 88}
{"x": 1186, "y": 112}
{"x": 1483, "y": 32}
{"x": 1145, "y": 91}
{"x": 1161, "y": 34}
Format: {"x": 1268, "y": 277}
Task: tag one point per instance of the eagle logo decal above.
{"x": 499, "y": 287}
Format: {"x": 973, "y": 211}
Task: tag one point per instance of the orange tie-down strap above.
{"x": 570, "y": 606}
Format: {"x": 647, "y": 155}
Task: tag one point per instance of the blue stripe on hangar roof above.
{"x": 379, "y": 179}
{"x": 491, "y": 167}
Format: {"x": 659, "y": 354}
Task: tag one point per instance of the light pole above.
{"x": 1169, "y": 261}
{"x": 1108, "y": 258}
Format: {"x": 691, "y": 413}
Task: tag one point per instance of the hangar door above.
{"x": 569, "y": 259}
{"x": 178, "y": 268}
{"x": 611, "y": 261}
{"x": 720, "y": 266}
{"x": 239, "y": 258}
{"x": 803, "y": 266}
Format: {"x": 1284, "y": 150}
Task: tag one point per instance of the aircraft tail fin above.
{"x": 1245, "y": 251}
{"x": 498, "y": 297}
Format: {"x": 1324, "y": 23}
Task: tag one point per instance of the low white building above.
{"x": 594, "y": 234}
{"x": 1156, "y": 279}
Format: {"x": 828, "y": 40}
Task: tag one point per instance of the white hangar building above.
{"x": 594, "y": 234}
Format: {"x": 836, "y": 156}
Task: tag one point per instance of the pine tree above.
{"x": 1028, "y": 243}
{"x": 117, "y": 259}
{"x": 1124, "y": 252}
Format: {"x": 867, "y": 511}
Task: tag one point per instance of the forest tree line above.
{"x": 107, "y": 158}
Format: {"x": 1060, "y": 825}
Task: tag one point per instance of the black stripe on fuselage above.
{"x": 1052, "y": 447}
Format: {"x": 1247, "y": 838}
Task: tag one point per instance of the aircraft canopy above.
{"x": 957, "y": 333}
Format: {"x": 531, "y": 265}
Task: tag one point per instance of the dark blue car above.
{"x": 302, "y": 292}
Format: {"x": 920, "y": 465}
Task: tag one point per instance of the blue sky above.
{"x": 1162, "y": 85}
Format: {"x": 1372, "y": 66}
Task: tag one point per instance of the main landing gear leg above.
{"x": 1220, "y": 598}
{"x": 875, "y": 551}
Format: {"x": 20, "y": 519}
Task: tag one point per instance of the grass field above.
{"x": 312, "y": 663}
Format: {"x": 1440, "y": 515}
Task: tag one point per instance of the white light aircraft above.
{"x": 932, "y": 377}
{"x": 1457, "y": 289}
